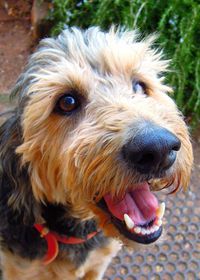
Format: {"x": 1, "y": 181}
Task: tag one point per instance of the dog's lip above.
{"x": 132, "y": 220}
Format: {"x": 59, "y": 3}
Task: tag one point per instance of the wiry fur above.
{"x": 70, "y": 162}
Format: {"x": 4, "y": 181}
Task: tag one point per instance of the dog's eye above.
{"x": 67, "y": 104}
{"x": 139, "y": 87}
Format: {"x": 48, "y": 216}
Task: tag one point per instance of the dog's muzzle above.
{"x": 137, "y": 214}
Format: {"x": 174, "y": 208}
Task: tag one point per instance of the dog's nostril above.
{"x": 175, "y": 144}
{"x": 176, "y": 147}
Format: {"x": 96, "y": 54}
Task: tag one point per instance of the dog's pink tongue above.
{"x": 140, "y": 204}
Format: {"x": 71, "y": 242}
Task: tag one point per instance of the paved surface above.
{"x": 15, "y": 40}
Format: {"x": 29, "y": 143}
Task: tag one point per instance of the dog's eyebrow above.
{"x": 60, "y": 78}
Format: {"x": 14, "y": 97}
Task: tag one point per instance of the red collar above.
{"x": 52, "y": 239}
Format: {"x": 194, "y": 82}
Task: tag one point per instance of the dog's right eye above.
{"x": 67, "y": 104}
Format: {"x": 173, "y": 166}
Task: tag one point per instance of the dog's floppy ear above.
{"x": 15, "y": 187}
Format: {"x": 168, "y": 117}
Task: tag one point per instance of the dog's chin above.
{"x": 136, "y": 215}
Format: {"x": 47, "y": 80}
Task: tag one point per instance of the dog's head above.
{"x": 98, "y": 131}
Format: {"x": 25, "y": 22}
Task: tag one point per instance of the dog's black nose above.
{"x": 152, "y": 150}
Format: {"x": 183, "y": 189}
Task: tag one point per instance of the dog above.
{"x": 94, "y": 132}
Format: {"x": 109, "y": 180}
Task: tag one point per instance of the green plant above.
{"x": 176, "y": 21}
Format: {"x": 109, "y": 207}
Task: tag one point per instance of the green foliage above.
{"x": 176, "y": 21}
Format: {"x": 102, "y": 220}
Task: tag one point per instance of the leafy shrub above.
{"x": 177, "y": 22}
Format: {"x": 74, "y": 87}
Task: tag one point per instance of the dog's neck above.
{"x": 59, "y": 227}
{"x": 58, "y": 218}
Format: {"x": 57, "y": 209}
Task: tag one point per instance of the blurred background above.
{"x": 24, "y": 23}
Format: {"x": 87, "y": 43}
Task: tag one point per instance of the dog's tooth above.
{"x": 143, "y": 231}
{"x": 137, "y": 230}
{"x": 161, "y": 210}
{"x": 155, "y": 228}
{"x": 128, "y": 221}
{"x": 148, "y": 231}
{"x": 159, "y": 222}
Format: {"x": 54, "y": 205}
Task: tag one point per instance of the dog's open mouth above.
{"x": 137, "y": 215}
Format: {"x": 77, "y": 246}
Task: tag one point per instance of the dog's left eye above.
{"x": 67, "y": 104}
{"x": 139, "y": 87}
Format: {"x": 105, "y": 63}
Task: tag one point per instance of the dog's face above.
{"x": 100, "y": 131}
